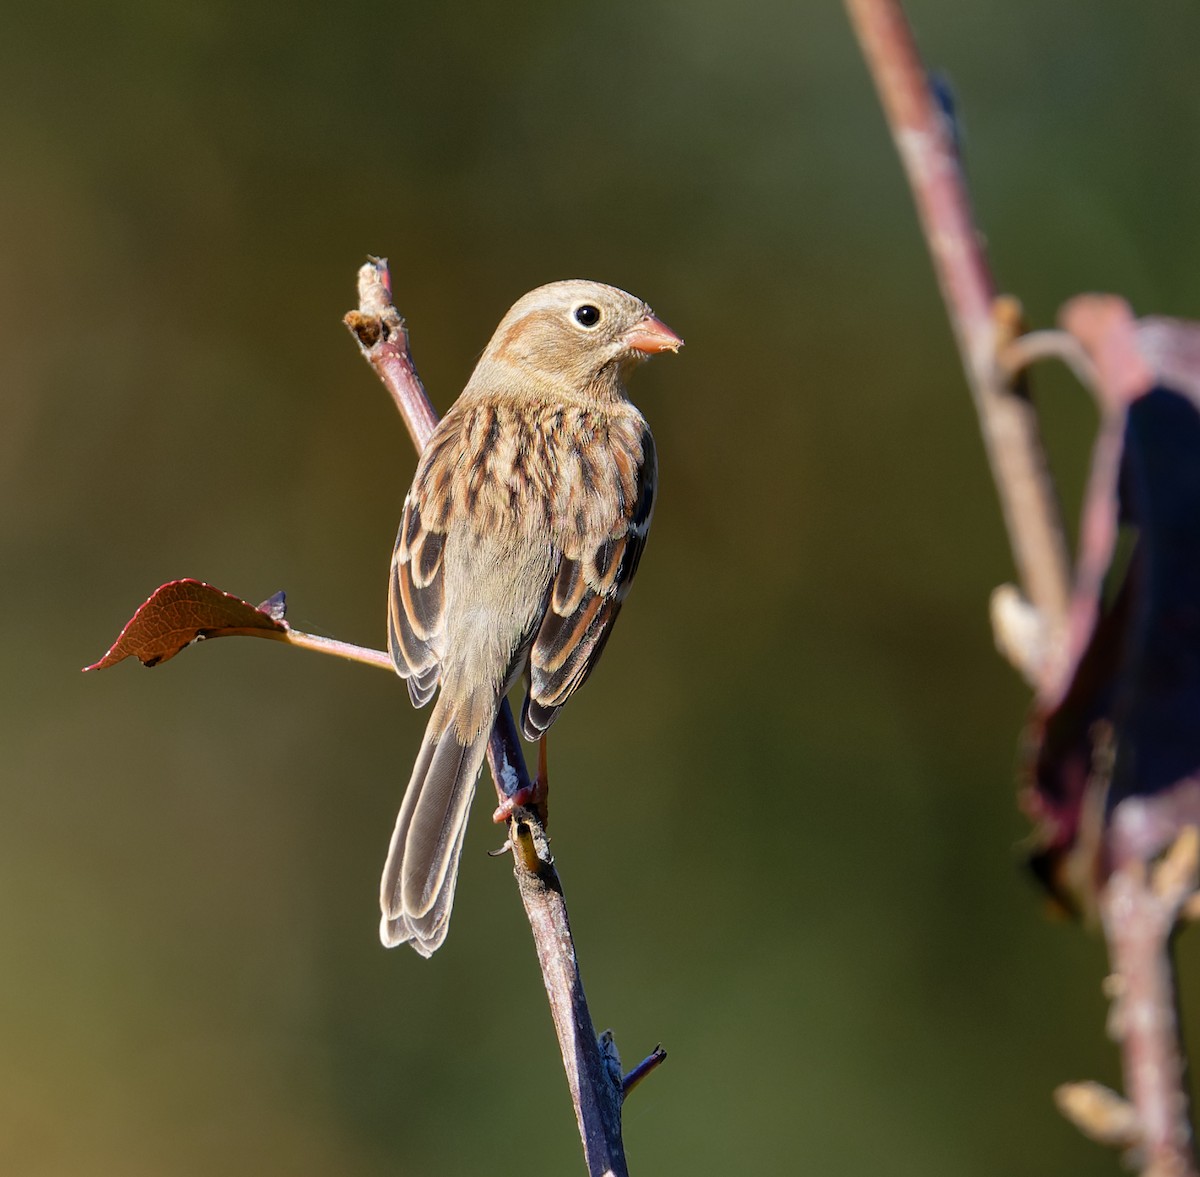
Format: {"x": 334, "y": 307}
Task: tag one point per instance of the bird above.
{"x": 518, "y": 542}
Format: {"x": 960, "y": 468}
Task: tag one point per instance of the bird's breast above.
{"x": 537, "y": 473}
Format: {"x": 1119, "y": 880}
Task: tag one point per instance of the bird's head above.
{"x": 579, "y": 333}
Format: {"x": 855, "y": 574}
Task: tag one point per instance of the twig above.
{"x": 1035, "y": 346}
{"x": 383, "y": 337}
{"x": 595, "y": 1091}
{"x": 647, "y": 1066}
{"x": 1006, "y": 415}
{"x": 1140, "y": 912}
{"x": 323, "y": 645}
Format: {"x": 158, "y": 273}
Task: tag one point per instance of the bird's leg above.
{"x": 533, "y": 796}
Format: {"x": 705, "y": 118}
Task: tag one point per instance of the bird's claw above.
{"x": 530, "y": 797}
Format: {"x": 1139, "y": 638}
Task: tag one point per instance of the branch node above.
{"x": 1177, "y": 874}
{"x": 611, "y": 1059}
{"x": 522, "y": 837}
{"x": 525, "y": 851}
{"x": 1023, "y": 351}
{"x": 1113, "y": 986}
{"x": 376, "y": 318}
{"x": 1009, "y": 325}
{"x": 367, "y": 329}
{"x": 1020, "y": 632}
{"x": 379, "y": 331}
{"x": 1100, "y": 1114}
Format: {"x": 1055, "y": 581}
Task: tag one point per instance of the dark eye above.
{"x": 587, "y": 315}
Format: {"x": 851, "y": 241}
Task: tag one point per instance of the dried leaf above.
{"x": 1116, "y": 736}
{"x": 185, "y": 611}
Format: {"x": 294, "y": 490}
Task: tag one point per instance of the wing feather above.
{"x": 586, "y": 596}
{"x": 417, "y": 604}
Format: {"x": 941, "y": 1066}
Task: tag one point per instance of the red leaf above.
{"x": 185, "y": 611}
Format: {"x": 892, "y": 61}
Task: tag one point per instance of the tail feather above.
{"x": 417, "y": 888}
{"x": 426, "y": 933}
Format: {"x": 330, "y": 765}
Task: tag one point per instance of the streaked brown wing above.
{"x": 417, "y": 603}
{"x": 585, "y": 598}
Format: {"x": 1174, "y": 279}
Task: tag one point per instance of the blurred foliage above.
{"x": 783, "y": 808}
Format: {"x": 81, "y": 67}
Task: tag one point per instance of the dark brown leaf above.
{"x": 185, "y": 611}
{"x": 1115, "y": 771}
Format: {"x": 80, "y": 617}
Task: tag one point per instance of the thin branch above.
{"x": 923, "y": 137}
{"x": 1033, "y": 347}
{"x": 595, "y": 1091}
{"x": 321, "y": 645}
{"x": 383, "y": 338}
{"x": 1140, "y": 912}
{"x": 647, "y": 1066}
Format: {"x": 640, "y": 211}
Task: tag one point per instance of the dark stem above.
{"x": 596, "y": 1091}
{"x": 650, "y": 1063}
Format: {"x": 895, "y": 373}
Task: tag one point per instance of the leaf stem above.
{"x": 322, "y": 645}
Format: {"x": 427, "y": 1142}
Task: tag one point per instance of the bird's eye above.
{"x": 587, "y": 315}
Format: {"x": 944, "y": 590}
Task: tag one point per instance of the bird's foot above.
{"x": 532, "y": 796}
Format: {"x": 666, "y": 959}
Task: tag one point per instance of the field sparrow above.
{"x": 520, "y": 538}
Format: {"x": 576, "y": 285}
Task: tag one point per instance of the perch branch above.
{"x": 596, "y": 1091}
{"x": 981, "y": 322}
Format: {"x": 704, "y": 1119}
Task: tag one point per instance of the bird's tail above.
{"x": 417, "y": 888}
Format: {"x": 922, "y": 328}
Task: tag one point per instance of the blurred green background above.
{"x": 783, "y": 808}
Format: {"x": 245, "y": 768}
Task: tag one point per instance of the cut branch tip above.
{"x": 524, "y": 844}
{"x": 647, "y": 1066}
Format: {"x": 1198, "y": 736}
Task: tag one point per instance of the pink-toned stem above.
{"x": 595, "y": 1091}
{"x": 1139, "y": 921}
{"x": 1006, "y": 417}
{"x": 320, "y": 645}
{"x": 383, "y": 337}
